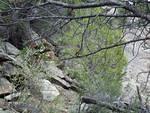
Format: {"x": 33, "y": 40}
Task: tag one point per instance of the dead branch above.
{"x": 89, "y": 100}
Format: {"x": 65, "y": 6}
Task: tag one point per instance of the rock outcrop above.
{"x": 5, "y": 87}
{"x": 33, "y": 82}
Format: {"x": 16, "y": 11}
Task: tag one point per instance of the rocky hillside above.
{"x": 33, "y": 84}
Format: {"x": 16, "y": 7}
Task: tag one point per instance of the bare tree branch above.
{"x": 107, "y": 47}
{"x": 100, "y": 4}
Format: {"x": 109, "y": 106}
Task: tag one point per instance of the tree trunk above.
{"x": 19, "y": 34}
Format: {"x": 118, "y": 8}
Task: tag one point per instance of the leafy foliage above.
{"x": 99, "y": 74}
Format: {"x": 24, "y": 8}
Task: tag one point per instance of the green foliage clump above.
{"x": 100, "y": 74}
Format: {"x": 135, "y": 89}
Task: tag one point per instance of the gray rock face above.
{"x": 5, "y": 57}
{"x": 85, "y": 107}
{"x": 60, "y": 82}
{"x": 5, "y": 111}
{"x": 56, "y": 76}
{"x": 43, "y": 89}
{"x": 25, "y": 108}
{"x": 52, "y": 70}
{"x": 8, "y": 69}
{"x": 137, "y": 70}
{"x": 12, "y": 96}
{"x": 5, "y": 86}
{"x": 17, "y": 70}
{"x": 3, "y": 104}
{"x": 48, "y": 90}
{"x": 10, "y": 49}
{"x": 56, "y": 71}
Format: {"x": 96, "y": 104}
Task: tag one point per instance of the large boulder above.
{"x": 52, "y": 70}
{"x": 8, "y": 69}
{"x": 56, "y": 76}
{"x": 6, "y": 111}
{"x": 10, "y": 49}
{"x": 5, "y": 57}
{"x": 43, "y": 90}
{"x": 5, "y": 87}
{"x": 3, "y": 104}
{"x": 24, "y": 107}
{"x": 12, "y": 96}
{"x": 61, "y": 82}
{"x": 48, "y": 90}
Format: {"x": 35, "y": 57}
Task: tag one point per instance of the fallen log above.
{"x": 90, "y": 100}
